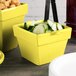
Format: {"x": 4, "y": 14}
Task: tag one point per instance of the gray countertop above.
{"x": 14, "y": 65}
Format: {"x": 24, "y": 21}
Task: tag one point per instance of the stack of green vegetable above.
{"x": 38, "y": 27}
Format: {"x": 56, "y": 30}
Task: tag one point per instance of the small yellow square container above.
{"x": 43, "y": 48}
{"x": 8, "y": 18}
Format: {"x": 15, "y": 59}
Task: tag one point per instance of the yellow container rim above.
{"x": 21, "y": 25}
{"x": 1, "y": 57}
{"x": 12, "y": 8}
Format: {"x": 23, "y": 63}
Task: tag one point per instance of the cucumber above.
{"x": 63, "y": 26}
{"x": 48, "y": 31}
{"x": 33, "y": 23}
{"x": 39, "y": 29}
{"x": 59, "y": 26}
{"x": 52, "y": 25}
{"x": 25, "y": 26}
{"x": 45, "y": 27}
{"x": 39, "y": 21}
{"x": 31, "y": 28}
{"x": 28, "y": 24}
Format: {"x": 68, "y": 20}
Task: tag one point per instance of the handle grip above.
{"x": 47, "y": 10}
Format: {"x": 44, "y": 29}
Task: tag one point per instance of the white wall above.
{"x": 37, "y": 8}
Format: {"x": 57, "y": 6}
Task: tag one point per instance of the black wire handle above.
{"x": 47, "y": 10}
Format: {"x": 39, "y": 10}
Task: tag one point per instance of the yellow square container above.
{"x": 8, "y": 18}
{"x": 43, "y": 48}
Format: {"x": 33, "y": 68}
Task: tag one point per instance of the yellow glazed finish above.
{"x": 8, "y": 18}
{"x": 9, "y": 41}
{"x": 13, "y": 12}
{"x": 43, "y": 48}
{"x": 1, "y": 57}
{"x": 1, "y": 40}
